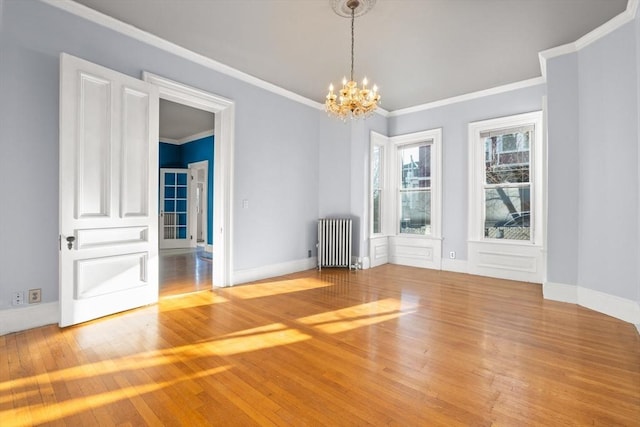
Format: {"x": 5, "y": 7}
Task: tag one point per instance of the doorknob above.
{"x": 70, "y": 241}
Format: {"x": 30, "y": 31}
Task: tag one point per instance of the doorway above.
{"x": 185, "y": 152}
{"x": 221, "y": 167}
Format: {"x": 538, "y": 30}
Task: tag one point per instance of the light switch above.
{"x": 245, "y": 204}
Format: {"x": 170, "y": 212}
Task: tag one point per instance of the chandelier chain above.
{"x": 353, "y": 17}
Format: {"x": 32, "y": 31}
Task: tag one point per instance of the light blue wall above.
{"x": 608, "y": 191}
{"x": 276, "y": 145}
{"x": 454, "y": 120}
{"x": 344, "y": 173}
{"x": 593, "y": 166}
{"x": 563, "y": 169}
{"x": 637, "y": 28}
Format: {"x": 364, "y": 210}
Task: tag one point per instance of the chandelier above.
{"x": 351, "y": 101}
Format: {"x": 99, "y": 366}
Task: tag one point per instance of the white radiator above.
{"x": 334, "y": 243}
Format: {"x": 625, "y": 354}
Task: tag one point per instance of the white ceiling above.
{"x": 179, "y": 123}
{"x": 417, "y": 51}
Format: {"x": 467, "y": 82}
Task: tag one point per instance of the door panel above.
{"x": 108, "y": 182}
{"x": 135, "y": 167}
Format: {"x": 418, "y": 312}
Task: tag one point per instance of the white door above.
{"x": 174, "y": 208}
{"x": 108, "y": 182}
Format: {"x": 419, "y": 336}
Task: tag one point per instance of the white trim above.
{"x": 197, "y": 136}
{"x": 434, "y": 137}
{"x": 155, "y": 41}
{"x": 273, "y": 270}
{"x": 455, "y": 265}
{"x": 611, "y": 305}
{"x": 193, "y": 221}
{"x": 476, "y": 175}
{"x": 470, "y": 96}
{"x": 560, "y": 292}
{"x": 603, "y": 30}
{"x": 32, "y": 316}
{"x": 189, "y": 138}
{"x": 224, "y": 113}
{"x": 365, "y": 263}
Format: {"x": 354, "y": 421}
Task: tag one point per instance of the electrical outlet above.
{"x": 17, "y": 298}
{"x": 35, "y": 296}
{"x": 452, "y": 255}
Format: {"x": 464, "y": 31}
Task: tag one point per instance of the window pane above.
{"x": 377, "y": 206}
{"x": 507, "y": 213}
{"x": 416, "y": 166}
{"x": 375, "y": 167}
{"x": 415, "y": 214}
{"x": 507, "y": 158}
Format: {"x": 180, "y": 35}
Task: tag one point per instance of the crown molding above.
{"x": 607, "y": 28}
{"x": 189, "y": 138}
{"x": 150, "y": 39}
{"x": 470, "y": 96}
{"x": 155, "y": 41}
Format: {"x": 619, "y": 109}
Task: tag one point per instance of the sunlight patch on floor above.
{"x": 43, "y": 412}
{"x": 279, "y": 287}
{"x": 345, "y": 319}
{"x": 246, "y": 341}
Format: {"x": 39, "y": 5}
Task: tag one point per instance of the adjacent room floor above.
{"x": 184, "y": 270}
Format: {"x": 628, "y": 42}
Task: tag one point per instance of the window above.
{"x": 414, "y": 191}
{"x": 505, "y": 179}
{"x": 377, "y": 180}
{"x": 405, "y": 199}
{"x": 506, "y": 184}
{"x": 404, "y": 182}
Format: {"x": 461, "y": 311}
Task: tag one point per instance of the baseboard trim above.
{"x": 454, "y": 265}
{"x": 611, "y": 305}
{"x": 560, "y": 292}
{"x": 32, "y": 316}
{"x": 273, "y": 270}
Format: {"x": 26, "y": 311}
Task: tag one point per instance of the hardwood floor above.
{"x": 387, "y": 346}
{"x": 184, "y": 270}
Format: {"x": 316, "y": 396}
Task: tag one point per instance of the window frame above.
{"x": 477, "y": 185}
{"x": 400, "y": 190}
{"x": 382, "y": 146}
{"x": 434, "y": 138}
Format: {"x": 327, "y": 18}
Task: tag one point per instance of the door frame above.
{"x": 193, "y": 216}
{"x": 224, "y": 111}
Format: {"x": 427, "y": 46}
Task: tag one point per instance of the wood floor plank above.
{"x": 386, "y": 346}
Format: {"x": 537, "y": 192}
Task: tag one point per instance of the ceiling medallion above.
{"x": 351, "y": 101}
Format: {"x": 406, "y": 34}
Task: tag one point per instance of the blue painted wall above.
{"x": 170, "y": 155}
{"x": 179, "y": 156}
